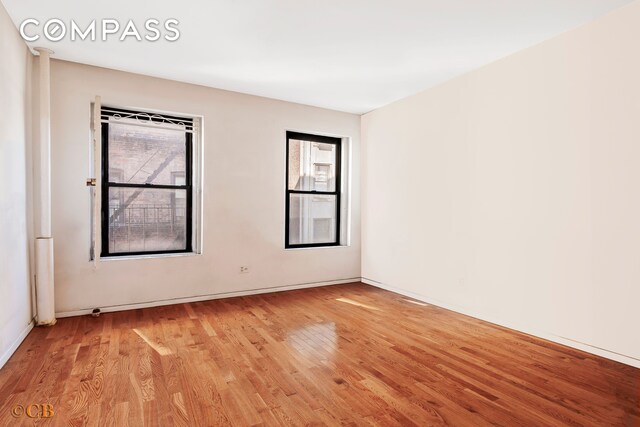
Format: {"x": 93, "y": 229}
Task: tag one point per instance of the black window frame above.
{"x": 142, "y": 116}
{"x": 337, "y": 190}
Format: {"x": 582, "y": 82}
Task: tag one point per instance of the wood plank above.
{"x": 348, "y": 354}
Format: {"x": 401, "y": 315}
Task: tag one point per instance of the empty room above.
{"x": 305, "y": 213}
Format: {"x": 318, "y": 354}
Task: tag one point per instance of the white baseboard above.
{"x": 628, "y": 360}
{"x": 14, "y": 346}
{"x": 157, "y": 303}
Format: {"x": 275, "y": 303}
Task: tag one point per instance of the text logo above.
{"x": 100, "y": 30}
{"x": 35, "y": 410}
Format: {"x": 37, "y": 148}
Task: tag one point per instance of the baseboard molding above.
{"x": 627, "y": 360}
{"x": 14, "y": 346}
{"x": 196, "y": 298}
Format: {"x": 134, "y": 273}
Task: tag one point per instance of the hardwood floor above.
{"x": 348, "y": 354}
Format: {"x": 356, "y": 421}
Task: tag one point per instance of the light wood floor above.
{"x": 348, "y": 354}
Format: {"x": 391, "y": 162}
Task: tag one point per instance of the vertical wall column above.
{"x": 45, "y": 299}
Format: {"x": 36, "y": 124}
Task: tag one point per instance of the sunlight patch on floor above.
{"x": 315, "y": 341}
{"x": 415, "y": 302}
{"x": 162, "y": 350}
{"x": 356, "y": 303}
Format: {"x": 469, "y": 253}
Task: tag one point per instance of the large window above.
{"x": 146, "y": 183}
{"x": 312, "y": 191}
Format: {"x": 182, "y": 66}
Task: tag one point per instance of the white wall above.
{"x": 244, "y": 176}
{"x": 15, "y": 284}
{"x": 512, "y": 193}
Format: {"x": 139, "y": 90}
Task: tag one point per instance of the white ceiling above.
{"x": 349, "y": 55}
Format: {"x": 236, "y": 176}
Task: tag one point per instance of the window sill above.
{"x": 150, "y": 256}
{"x": 317, "y": 247}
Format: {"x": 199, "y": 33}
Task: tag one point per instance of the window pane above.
{"x": 312, "y": 219}
{"x": 312, "y": 166}
{"x": 139, "y": 155}
{"x": 148, "y": 219}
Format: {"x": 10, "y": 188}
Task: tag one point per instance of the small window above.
{"x": 146, "y": 183}
{"x": 312, "y": 191}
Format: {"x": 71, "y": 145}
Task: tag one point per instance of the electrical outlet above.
{"x": 244, "y": 269}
